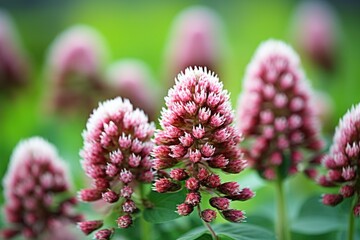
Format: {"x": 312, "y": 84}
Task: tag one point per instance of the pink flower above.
{"x": 133, "y": 80}
{"x": 74, "y": 69}
{"x": 275, "y": 111}
{"x": 342, "y": 162}
{"x": 195, "y": 143}
{"x": 36, "y": 175}
{"x": 13, "y": 63}
{"x": 315, "y": 30}
{"x": 116, "y": 155}
{"x": 196, "y": 39}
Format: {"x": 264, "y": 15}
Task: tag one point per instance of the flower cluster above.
{"x": 342, "y": 163}
{"x": 275, "y": 111}
{"x": 196, "y": 138}
{"x": 35, "y": 180}
{"x": 116, "y": 155}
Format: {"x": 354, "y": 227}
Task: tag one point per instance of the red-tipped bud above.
{"x": 184, "y": 209}
{"x": 192, "y": 184}
{"x": 124, "y": 221}
{"x": 88, "y": 227}
{"x": 332, "y": 199}
{"x": 218, "y": 162}
{"x": 126, "y": 176}
{"x": 213, "y": 181}
{"x": 245, "y": 194}
{"x": 129, "y": 206}
{"x": 110, "y": 196}
{"x": 126, "y": 192}
{"x": 202, "y": 174}
{"x": 229, "y": 188}
{"x": 178, "y": 174}
{"x": 89, "y": 195}
{"x": 163, "y": 185}
{"x": 235, "y": 166}
{"x": 104, "y": 234}
{"x": 220, "y": 203}
{"x": 347, "y": 191}
{"x": 233, "y": 215}
{"x": 208, "y": 215}
{"x": 193, "y": 198}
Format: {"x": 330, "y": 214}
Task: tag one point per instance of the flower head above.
{"x": 13, "y": 63}
{"x": 35, "y": 177}
{"x": 132, "y": 79}
{"x": 275, "y": 110}
{"x": 342, "y": 163}
{"x": 74, "y": 68}
{"x": 197, "y": 137}
{"x": 196, "y": 39}
{"x": 116, "y": 155}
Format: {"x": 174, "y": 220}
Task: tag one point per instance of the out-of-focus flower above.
{"x": 116, "y": 155}
{"x": 35, "y": 189}
{"x": 196, "y": 39}
{"x": 342, "y": 163}
{"x": 315, "y": 31}
{"x": 74, "y": 68}
{"x": 132, "y": 79}
{"x": 323, "y": 107}
{"x": 13, "y": 64}
{"x": 197, "y": 137}
{"x": 275, "y": 111}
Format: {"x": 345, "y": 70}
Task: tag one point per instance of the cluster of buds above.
{"x": 35, "y": 185}
{"x": 197, "y": 138}
{"x": 116, "y": 155}
{"x": 342, "y": 163}
{"x": 75, "y": 62}
{"x": 275, "y": 111}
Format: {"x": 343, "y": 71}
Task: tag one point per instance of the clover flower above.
{"x": 275, "y": 112}
{"x": 74, "y": 68}
{"x": 13, "y": 63}
{"x": 132, "y": 79}
{"x": 196, "y": 39}
{"x": 342, "y": 163}
{"x": 196, "y": 138}
{"x": 35, "y": 188}
{"x": 116, "y": 157}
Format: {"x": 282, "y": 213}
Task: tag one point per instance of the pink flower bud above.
{"x": 129, "y": 206}
{"x": 126, "y": 176}
{"x": 126, "y": 192}
{"x": 104, "y": 234}
{"x": 193, "y": 198}
{"x": 208, "y": 215}
{"x": 124, "y": 221}
{"x": 110, "y": 196}
{"x": 163, "y": 185}
{"x": 244, "y": 195}
{"x": 347, "y": 191}
{"x": 192, "y": 184}
{"x": 212, "y": 181}
{"x": 332, "y": 199}
{"x": 218, "y": 162}
{"x": 220, "y": 203}
{"x": 184, "y": 209}
{"x": 229, "y": 188}
{"x": 233, "y": 215}
{"x": 178, "y": 174}
{"x": 88, "y": 227}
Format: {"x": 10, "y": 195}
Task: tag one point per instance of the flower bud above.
{"x": 88, "y": 227}
{"x": 184, "y": 209}
{"x": 208, "y": 215}
{"x": 233, "y": 215}
{"x": 220, "y": 203}
{"x": 124, "y": 221}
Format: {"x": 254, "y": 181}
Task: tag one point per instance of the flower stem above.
{"x": 282, "y": 228}
{"x": 213, "y": 234}
{"x": 351, "y": 224}
{"x": 145, "y": 227}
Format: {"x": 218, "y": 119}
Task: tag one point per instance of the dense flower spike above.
{"x": 342, "y": 163}
{"x": 132, "y": 79}
{"x": 74, "y": 67}
{"x": 116, "y": 155}
{"x": 13, "y": 63}
{"x": 315, "y": 30}
{"x": 275, "y": 111}
{"x": 196, "y": 39}
{"x": 35, "y": 177}
{"x": 197, "y": 137}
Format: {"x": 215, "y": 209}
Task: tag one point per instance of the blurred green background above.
{"x": 140, "y": 29}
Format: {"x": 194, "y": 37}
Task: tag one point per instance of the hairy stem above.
{"x": 282, "y": 228}
{"x": 213, "y": 234}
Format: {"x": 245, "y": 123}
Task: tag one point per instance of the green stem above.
{"x": 213, "y": 234}
{"x": 145, "y": 227}
{"x": 282, "y": 228}
{"x": 351, "y": 224}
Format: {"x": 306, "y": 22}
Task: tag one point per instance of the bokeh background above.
{"x": 140, "y": 29}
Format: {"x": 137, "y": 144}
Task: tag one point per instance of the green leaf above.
{"x": 316, "y": 218}
{"x": 163, "y": 206}
{"x": 229, "y": 231}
